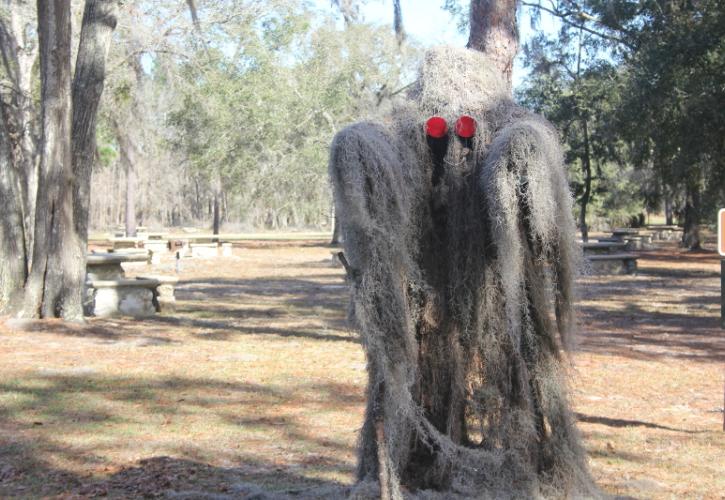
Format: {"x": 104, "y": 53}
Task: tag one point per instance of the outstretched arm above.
{"x": 530, "y": 211}
{"x": 377, "y": 183}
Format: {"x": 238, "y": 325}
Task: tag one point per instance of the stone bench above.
{"x": 630, "y": 242}
{"x": 614, "y": 263}
{"x": 157, "y": 248}
{"x": 137, "y": 297}
{"x": 225, "y": 249}
{"x": 623, "y": 234}
{"x": 124, "y": 297}
{"x": 204, "y": 250}
{"x": 602, "y": 247}
{"x": 104, "y": 266}
{"x": 164, "y": 299}
{"x": 123, "y": 243}
{"x": 626, "y": 230}
{"x": 662, "y": 232}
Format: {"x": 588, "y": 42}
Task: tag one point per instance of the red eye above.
{"x": 466, "y": 127}
{"x": 436, "y": 127}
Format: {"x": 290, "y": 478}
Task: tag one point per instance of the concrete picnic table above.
{"x": 625, "y": 231}
{"x": 602, "y": 247}
{"x": 107, "y": 265}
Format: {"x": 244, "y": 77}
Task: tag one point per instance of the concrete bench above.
{"x": 625, "y": 230}
{"x": 103, "y": 266}
{"x": 137, "y": 297}
{"x": 623, "y": 234}
{"x": 124, "y": 297}
{"x": 204, "y": 250}
{"x": 122, "y": 243}
{"x": 614, "y": 263}
{"x": 225, "y": 249}
{"x": 164, "y": 299}
{"x": 662, "y": 232}
{"x": 602, "y": 247}
{"x": 157, "y": 248}
{"x": 630, "y": 242}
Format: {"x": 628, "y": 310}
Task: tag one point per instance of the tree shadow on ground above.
{"x": 40, "y": 457}
{"x": 618, "y": 422}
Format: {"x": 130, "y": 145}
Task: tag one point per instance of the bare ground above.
{"x": 257, "y": 381}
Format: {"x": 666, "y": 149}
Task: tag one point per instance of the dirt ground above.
{"x": 256, "y": 382}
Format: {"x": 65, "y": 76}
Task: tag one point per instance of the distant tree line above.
{"x": 212, "y": 112}
{"x": 636, "y": 89}
{"x": 227, "y": 120}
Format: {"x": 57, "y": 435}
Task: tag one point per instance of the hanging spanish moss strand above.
{"x": 462, "y": 291}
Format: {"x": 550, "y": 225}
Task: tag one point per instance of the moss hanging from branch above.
{"x": 462, "y": 292}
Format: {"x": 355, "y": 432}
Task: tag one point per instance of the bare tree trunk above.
{"x": 494, "y": 31}
{"x": 398, "y": 22}
{"x": 19, "y": 53}
{"x": 216, "y": 217}
{"x": 13, "y": 257}
{"x": 584, "y": 202}
{"x": 691, "y": 234}
{"x": 335, "y": 233}
{"x": 669, "y": 212}
{"x": 99, "y": 21}
{"x": 216, "y": 204}
{"x": 128, "y": 160}
{"x": 53, "y": 288}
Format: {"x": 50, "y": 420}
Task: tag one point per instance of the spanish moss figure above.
{"x": 459, "y": 238}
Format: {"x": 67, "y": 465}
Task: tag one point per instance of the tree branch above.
{"x": 566, "y": 19}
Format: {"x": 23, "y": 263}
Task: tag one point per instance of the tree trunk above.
{"x": 669, "y": 212}
{"x": 216, "y": 217}
{"x": 494, "y": 31}
{"x": 19, "y": 53}
{"x": 216, "y": 204}
{"x": 398, "y": 22}
{"x": 691, "y": 233}
{"x": 336, "y": 233}
{"x": 53, "y": 288}
{"x": 13, "y": 257}
{"x": 99, "y": 21}
{"x": 128, "y": 158}
{"x": 586, "y": 197}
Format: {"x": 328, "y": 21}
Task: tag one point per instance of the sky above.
{"x": 427, "y": 23}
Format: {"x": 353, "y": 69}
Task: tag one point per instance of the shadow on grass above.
{"x": 618, "y": 422}
{"x": 46, "y": 419}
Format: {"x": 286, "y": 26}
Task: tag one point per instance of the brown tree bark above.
{"x": 56, "y": 282}
{"x": 494, "y": 31}
{"x": 586, "y": 196}
{"x": 691, "y": 233}
{"x": 336, "y": 230}
{"x": 99, "y": 21}
{"x": 13, "y": 257}
{"x": 53, "y": 288}
{"x": 18, "y": 53}
{"x": 128, "y": 160}
{"x": 216, "y": 221}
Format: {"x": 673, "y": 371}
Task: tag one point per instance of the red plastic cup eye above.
{"x": 466, "y": 127}
{"x": 436, "y": 127}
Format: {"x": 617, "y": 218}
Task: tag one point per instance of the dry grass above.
{"x": 256, "y": 379}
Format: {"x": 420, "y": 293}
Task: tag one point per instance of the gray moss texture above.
{"x": 461, "y": 265}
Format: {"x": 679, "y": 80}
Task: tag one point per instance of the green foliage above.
{"x": 653, "y": 83}
{"x": 574, "y": 87}
{"x": 675, "y": 90}
{"x": 259, "y": 120}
